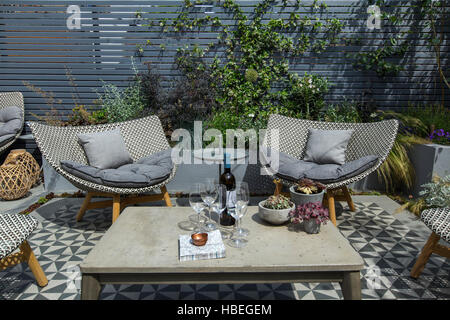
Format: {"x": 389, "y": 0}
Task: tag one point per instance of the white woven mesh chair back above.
{"x": 143, "y": 137}
{"x": 374, "y": 138}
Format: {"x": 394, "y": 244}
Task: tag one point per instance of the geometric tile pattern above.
{"x": 388, "y": 247}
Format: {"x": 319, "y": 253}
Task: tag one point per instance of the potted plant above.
{"x": 275, "y": 209}
{"x": 306, "y": 191}
{"x": 312, "y": 214}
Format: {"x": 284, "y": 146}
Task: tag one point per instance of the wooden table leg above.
{"x": 351, "y": 285}
{"x": 90, "y": 287}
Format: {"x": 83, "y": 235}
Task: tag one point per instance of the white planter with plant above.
{"x": 306, "y": 191}
{"x": 275, "y": 209}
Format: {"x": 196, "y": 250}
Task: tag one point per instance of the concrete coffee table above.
{"x": 142, "y": 247}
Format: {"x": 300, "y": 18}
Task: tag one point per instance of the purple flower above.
{"x": 431, "y": 136}
{"x": 441, "y": 132}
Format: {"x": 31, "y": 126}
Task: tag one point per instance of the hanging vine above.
{"x": 252, "y": 79}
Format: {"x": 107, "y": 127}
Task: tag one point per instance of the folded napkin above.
{"x": 213, "y": 249}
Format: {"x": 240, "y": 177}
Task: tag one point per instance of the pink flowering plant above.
{"x": 308, "y": 211}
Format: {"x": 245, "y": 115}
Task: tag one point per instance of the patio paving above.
{"x": 389, "y": 244}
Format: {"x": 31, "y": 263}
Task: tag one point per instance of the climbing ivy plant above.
{"x": 252, "y": 79}
{"x": 384, "y": 58}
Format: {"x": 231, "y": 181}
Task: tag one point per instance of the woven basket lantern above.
{"x": 21, "y": 156}
{"x": 14, "y": 181}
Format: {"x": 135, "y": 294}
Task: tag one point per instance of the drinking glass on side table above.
{"x": 242, "y": 199}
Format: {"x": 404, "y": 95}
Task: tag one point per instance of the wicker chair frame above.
{"x": 375, "y": 138}
{"x": 8, "y": 99}
{"x": 438, "y": 220}
{"x": 143, "y": 137}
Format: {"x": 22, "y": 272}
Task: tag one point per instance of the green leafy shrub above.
{"x": 122, "y": 104}
{"x": 437, "y": 193}
{"x": 253, "y": 80}
{"x": 345, "y": 112}
{"x": 153, "y": 95}
{"x": 307, "y": 96}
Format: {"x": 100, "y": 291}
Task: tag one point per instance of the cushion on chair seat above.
{"x": 14, "y": 229}
{"x": 146, "y": 172}
{"x": 10, "y": 121}
{"x": 293, "y": 169}
{"x": 438, "y": 220}
{"x": 6, "y": 138}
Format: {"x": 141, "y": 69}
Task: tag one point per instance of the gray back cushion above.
{"x": 10, "y": 121}
{"x": 327, "y": 146}
{"x": 106, "y": 149}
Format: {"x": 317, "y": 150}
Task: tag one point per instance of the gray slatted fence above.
{"x": 36, "y": 46}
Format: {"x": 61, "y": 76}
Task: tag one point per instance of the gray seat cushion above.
{"x": 146, "y": 172}
{"x": 10, "y": 121}
{"x": 105, "y": 149}
{"x": 293, "y": 169}
{"x": 6, "y": 138}
{"x": 327, "y": 146}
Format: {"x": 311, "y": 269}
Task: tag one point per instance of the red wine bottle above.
{"x": 227, "y": 179}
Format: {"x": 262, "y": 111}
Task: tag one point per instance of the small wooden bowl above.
{"x": 199, "y": 239}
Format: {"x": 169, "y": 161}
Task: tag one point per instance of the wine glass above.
{"x": 209, "y": 196}
{"x": 196, "y": 202}
{"x": 220, "y": 205}
{"x": 242, "y": 198}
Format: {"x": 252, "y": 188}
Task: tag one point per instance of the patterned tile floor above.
{"x": 388, "y": 247}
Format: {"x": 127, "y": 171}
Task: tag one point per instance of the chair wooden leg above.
{"x": 424, "y": 255}
{"x": 348, "y": 198}
{"x": 331, "y": 206}
{"x": 116, "y": 207}
{"x": 278, "y": 186}
{"x": 166, "y": 196}
{"x": 84, "y": 206}
{"x": 30, "y": 259}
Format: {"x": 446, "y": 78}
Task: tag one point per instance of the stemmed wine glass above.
{"x": 242, "y": 198}
{"x": 220, "y": 205}
{"x": 196, "y": 202}
{"x": 209, "y": 196}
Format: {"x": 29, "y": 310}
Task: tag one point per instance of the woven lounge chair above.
{"x": 438, "y": 220}
{"x": 14, "y": 232}
{"x": 375, "y": 138}
{"x": 143, "y": 137}
{"x": 10, "y": 99}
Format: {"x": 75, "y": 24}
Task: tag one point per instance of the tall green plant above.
{"x": 397, "y": 172}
